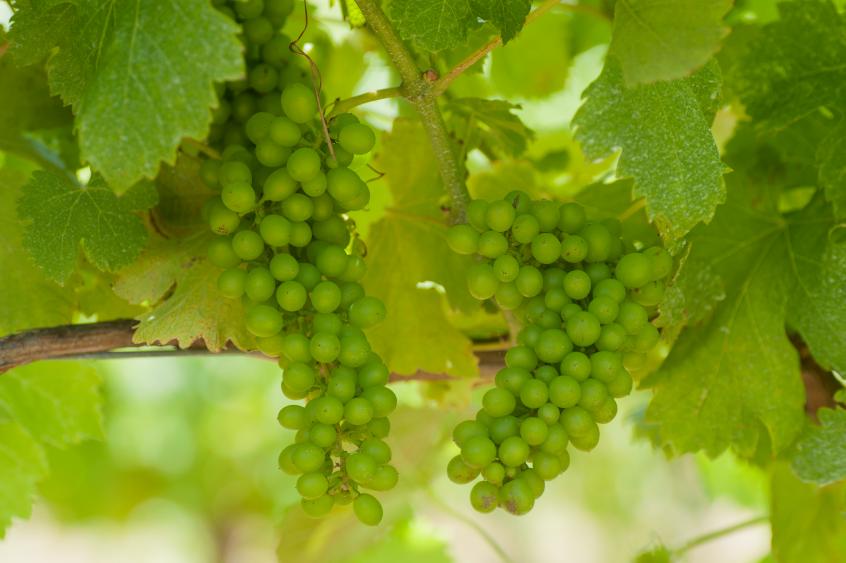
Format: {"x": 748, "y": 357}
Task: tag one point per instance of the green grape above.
{"x": 492, "y": 244}
{"x": 284, "y": 132}
{"x": 355, "y": 351}
{"x": 232, "y": 282}
{"x": 270, "y": 154}
{"x": 357, "y": 138}
{"x": 553, "y": 278}
{"x": 621, "y": 385}
{"x": 605, "y": 412}
{"x": 293, "y": 417}
{"x": 503, "y": 427}
{"x": 367, "y": 509}
{"x": 556, "y": 440}
{"x": 341, "y": 384}
{"x": 499, "y": 215}
{"x": 372, "y": 374}
{"x": 384, "y": 478}
{"x": 459, "y": 472}
{"x": 549, "y": 319}
{"x": 632, "y": 317}
{"x": 512, "y": 378}
{"x": 257, "y": 127}
{"x": 546, "y": 465}
{"x": 326, "y": 297}
{"x": 482, "y": 281}
{"x": 476, "y": 211}
{"x": 576, "y": 421}
{"x": 604, "y": 309}
{"x": 597, "y": 272}
{"x": 259, "y": 285}
{"x": 506, "y": 268}
{"x": 299, "y": 376}
{"x": 611, "y": 338}
{"x": 507, "y": 296}
{"x": 588, "y": 440}
{"x": 247, "y": 9}
{"x": 299, "y": 103}
{"x": 308, "y": 276}
{"x": 322, "y": 435}
{"x": 234, "y": 172}
{"x": 276, "y": 53}
{"x": 569, "y": 310}
{"x": 300, "y": 234}
{"x": 516, "y": 497}
{"x": 209, "y": 170}
{"x": 525, "y": 228}
{"x": 279, "y": 186}
{"x": 529, "y": 336}
{"x": 463, "y": 239}
{"x": 312, "y": 485}
{"x": 291, "y": 296}
{"x": 220, "y": 253}
{"x": 247, "y": 245}
{"x": 318, "y": 507}
{"x": 583, "y": 329}
{"x": 549, "y": 413}
{"x": 634, "y": 270}
{"x": 263, "y": 320}
{"x": 384, "y": 400}
{"x": 367, "y": 312}
{"x": 360, "y": 467}
{"x": 275, "y": 230}
{"x": 605, "y": 365}
{"x": 553, "y": 345}
{"x": 494, "y": 473}
{"x": 546, "y": 374}
{"x": 564, "y": 392}
{"x": 238, "y": 197}
{"x": 593, "y": 394}
{"x": 577, "y": 284}
{"x": 340, "y": 121}
{"x": 327, "y": 410}
{"x": 484, "y": 496}
{"x": 466, "y": 430}
{"x": 662, "y": 262}
{"x": 297, "y": 208}
{"x": 478, "y": 451}
{"x": 498, "y": 402}
{"x": 358, "y": 411}
{"x": 611, "y": 289}
{"x": 649, "y": 295}
{"x": 263, "y": 78}
{"x": 303, "y": 164}
{"x": 332, "y": 230}
{"x": 324, "y": 347}
{"x": 513, "y": 451}
{"x": 295, "y": 348}
{"x": 520, "y": 201}
{"x": 646, "y": 338}
{"x": 576, "y": 365}
{"x": 547, "y": 213}
{"x": 308, "y": 457}
{"x": 599, "y": 241}
{"x": 377, "y": 449}
{"x": 284, "y": 267}
{"x": 574, "y": 249}
{"x": 533, "y": 430}
{"x": 546, "y": 248}
{"x": 286, "y": 460}
{"x": 331, "y": 260}
{"x": 521, "y": 357}
{"x": 342, "y": 158}
{"x": 344, "y": 184}
{"x": 350, "y": 293}
{"x": 571, "y": 217}
{"x": 529, "y": 281}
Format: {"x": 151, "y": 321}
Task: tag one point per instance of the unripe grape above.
{"x": 275, "y": 230}
{"x": 263, "y": 320}
{"x": 298, "y": 103}
{"x": 478, "y": 451}
{"x": 492, "y": 244}
{"x": 231, "y": 282}
{"x": 357, "y": 138}
{"x": 514, "y": 451}
{"x": 571, "y": 217}
{"x": 484, "y": 496}
{"x": 500, "y": 215}
{"x": 318, "y": 507}
{"x": 463, "y": 239}
{"x": 498, "y": 402}
{"x": 506, "y": 268}
{"x": 516, "y": 497}
{"x": 367, "y": 509}
{"x": 247, "y": 245}
{"x": 459, "y": 472}
{"x": 358, "y": 411}
{"x": 303, "y": 164}
{"x": 634, "y": 270}
{"x": 476, "y": 211}
{"x": 525, "y": 228}
{"x": 546, "y": 248}
{"x": 564, "y": 392}
{"x": 481, "y": 281}
{"x": 577, "y": 284}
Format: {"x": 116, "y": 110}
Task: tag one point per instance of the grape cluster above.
{"x": 290, "y": 253}
{"x": 584, "y": 300}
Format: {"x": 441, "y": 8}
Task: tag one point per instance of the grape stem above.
{"x": 341, "y": 106}
{"x": 716, "y": 534}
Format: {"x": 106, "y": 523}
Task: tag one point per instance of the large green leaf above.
{"x": 807, "y": 521}
{"x": 820, "y": 455}
{"x": 62, "y": 215}
{"x": 488, "y": 125}
{"x": 28, "y": 298}
{"x": 408, "y": 259}
{"x": 659, "y": 40}
{"x": 138, "y": 75}
{"x": 194, "y": 310}
{"x": 22, "y": 465}
{"x": 733, "y": 380}
{"x": 663, "y": 130}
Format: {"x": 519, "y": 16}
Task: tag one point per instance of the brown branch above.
{"x": 112, "y": 340}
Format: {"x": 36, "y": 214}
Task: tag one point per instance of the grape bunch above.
{"x": 584, "y": 300}
{"x": 289, "y": 252}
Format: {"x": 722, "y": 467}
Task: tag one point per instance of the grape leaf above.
{"x": 182, "y": 194}
{"x": 820, "y": 455}
{"x": 488, "y": 125}
{"x": 62, "y": 215}
{"x": 795, "y": 65}
{"x": 441, "y": 24}
{"x": 667, "y": 147}
{"x": 807, "y": 521}
{"x": 22, "y": 465}
{"x": 658, "y": 40}
{"x": 831, "y": 157}
{"x": 28, "y": 299}
{"x": 408, "y": 257}
{"x": 108, "y": 65}
{"x": 733, "y": 379}
{"x": 195, "y": 310}
{"x": 517, "y": 75}
{"x": 58, "y": 403}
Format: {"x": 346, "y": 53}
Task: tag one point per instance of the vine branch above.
{"x": 112, "y": 340}
{"x": 341, "y": 106}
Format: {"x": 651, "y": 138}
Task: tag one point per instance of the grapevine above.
{"x": 291, "y": 254}
{"x": 585, "y": 298}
